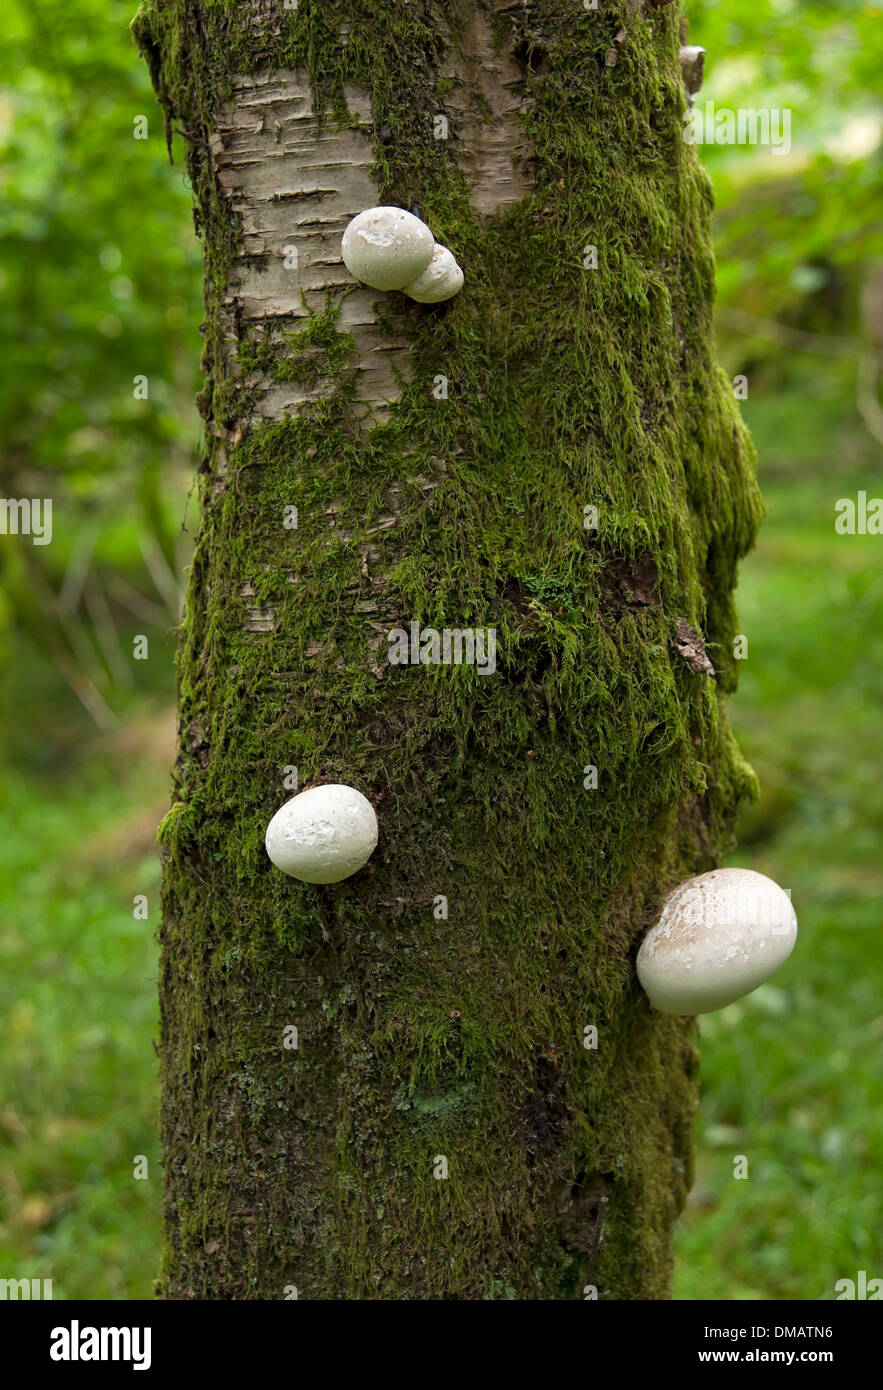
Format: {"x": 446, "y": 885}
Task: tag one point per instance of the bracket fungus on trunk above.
{"x": 323, "y": 835}
{"x": 391, "y": 249}
{"x": 441, "y": 279}
{"x": 718, "y": 937}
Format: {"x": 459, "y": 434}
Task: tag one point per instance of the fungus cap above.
{"x": 386, "y": 248}
{"x": 323, "y": 835}
{"x": 441, "y": 279}
{"x": 718, "y": 937}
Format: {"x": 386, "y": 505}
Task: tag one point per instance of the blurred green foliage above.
{"x": 790, "y": 225}
{"x": 78, "y": 1001}
{"x": 100, "y": 284}
{"x": 100, "y": 279}
{"x": 790, "y": 1075}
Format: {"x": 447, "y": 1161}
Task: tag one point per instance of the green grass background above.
{"x": 791, "y": 1076}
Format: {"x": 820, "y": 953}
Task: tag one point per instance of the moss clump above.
{"x": 425, "y": 1037}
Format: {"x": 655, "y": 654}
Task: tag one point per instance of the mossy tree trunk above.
{"x": 445, "y": 463}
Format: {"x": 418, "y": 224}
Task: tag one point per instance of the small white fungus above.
{"x": 718, "y": 937}
{"x": 386, "y": 248}
{"x": 323, "y": 835}
{"x": 441, "y": 279}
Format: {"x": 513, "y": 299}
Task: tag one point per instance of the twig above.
{"x": 160, "y": 571}
{"x": 108, "y": 640}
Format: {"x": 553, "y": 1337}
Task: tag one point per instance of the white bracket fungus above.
{"x": 323, "y": 835}
{"x": 719, "y": 936}
{"x": 391, "y": 249}
{"x": 441, "y": 279}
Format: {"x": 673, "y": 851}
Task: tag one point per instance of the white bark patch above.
{"x": 259, "y": 617}
{"x": 487, "y": 105}
{"x": 295, "y": 184}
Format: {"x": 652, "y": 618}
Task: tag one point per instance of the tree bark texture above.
{"x": 449, "y": 1125}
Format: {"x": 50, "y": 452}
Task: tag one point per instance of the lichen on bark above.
{"x": 568, "y": 387}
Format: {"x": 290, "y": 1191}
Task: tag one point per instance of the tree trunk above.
{"x": 481, "y": 1103}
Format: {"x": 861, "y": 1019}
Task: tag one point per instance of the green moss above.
{"x": 316, "y": 350}
{"x": 462, "y": 1037}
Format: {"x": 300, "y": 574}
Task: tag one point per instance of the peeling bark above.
{"x": 296, "y": 182}
{"x": 693, "y": 67}
{"x": 487, "y": 107}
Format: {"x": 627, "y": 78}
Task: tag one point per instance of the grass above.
{"x": 790, "y": 1076}
{"x": 78, "y": 998}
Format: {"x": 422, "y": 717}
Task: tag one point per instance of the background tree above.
{"x": 423, "y": 1035}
